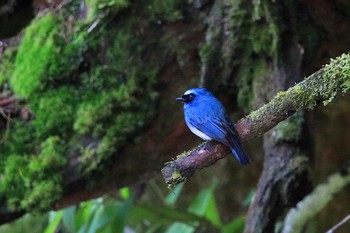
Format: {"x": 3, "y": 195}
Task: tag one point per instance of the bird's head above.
{"x": 194, "y": 94}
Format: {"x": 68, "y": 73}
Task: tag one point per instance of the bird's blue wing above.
{"x": 223, "y": 131}
{"x": 214, "y": 128}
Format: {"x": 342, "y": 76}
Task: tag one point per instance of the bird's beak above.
{"x": 180, "y": 99}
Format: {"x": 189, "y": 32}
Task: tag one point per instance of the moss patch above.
{"x": 7, "y": 64}
{"x": 323, "y": 85}
{"x": 91, "y": 92}
{"x": 32, "y": 180}
{"x": 167, "y": 10}
{"x": 34, "y": 56}
{"x": 337, "y": 74}
{"x": 290, "y": 129}
{"x": 98, "y": 8}
{"x": 251, "y": 39}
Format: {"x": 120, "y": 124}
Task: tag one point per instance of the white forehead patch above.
{"x": 188, "y": 92}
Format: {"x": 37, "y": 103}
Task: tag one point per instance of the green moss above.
{"x": 90, "y": 92}
{"x": 32, "y": 181}
{"x": 185, "y": 153}
{"x": 252, "y": 41}
{"x": 266, "y": 38}
{"x": 88, "y": 157}
{"x": 176, "y": 175}
{"x": 45, "y": 55}
{"x": 290, "y": 129}
{"x": 337, "y": 73}
{"x": 168, "y": 10}
{"x": 19, "y": 139}
{"x": 34, "y": 56}
{"x": 176, "y": 179}
{"x": 14, "y": 180}
{"x": 7, "y": 64}
{"x": 98, "y": 8}
{"x": 208, "y": 52}
{"x": 42, "y": 194}
{"x": 50, "y": 156}
{"x": 324, "y": 85}
{"x": 31, "y": 173}
{"x": 53, "y": 111}
{"x": 250, "y": 74}
{"x": 303, "y": 95}
{"x": 126, "y": 103}
{"x": 90, "y": 112}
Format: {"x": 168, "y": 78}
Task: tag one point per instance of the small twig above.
{"x": 63, "y": 3}
{"x": 93, "y": 26}
{"x": 2, "y": 49}
{"x": 7, "y": 101}
{"x": 338, "y": 225}
{"x": 8, "y": 119}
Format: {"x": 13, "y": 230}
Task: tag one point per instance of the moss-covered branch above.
{"x": 321, "y": 87}
{"x": 312, "y": 204}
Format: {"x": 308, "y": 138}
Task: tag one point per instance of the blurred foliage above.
{"x": 126, "y": 214}
{"x": 28, "y": 223}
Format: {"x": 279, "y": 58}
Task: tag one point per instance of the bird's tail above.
{"x": 238, "y": 151}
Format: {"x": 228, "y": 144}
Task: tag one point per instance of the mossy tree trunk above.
{"x": 96, "y": 82}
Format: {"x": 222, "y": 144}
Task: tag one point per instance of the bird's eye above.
{"x": 188, "y": 97}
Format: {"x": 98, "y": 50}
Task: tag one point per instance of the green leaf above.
{"x": 173, "y": 195}
{"x": 154, "y": 228}
{"x": 118, "y": 223}
{"x": 83, "y": 228}
{"x": 235, "y": 226}
{"x": 200, "y": 203}
{"x": 99, "y": 220}
{"x": 110, "y": 218}
{"x": 55, "y": 219}
{"x": 204, "y": 205}
{"x": 165, "y": 215}
{"x": 68, "y": 218}
{"x": 178, "y": 227}
{"x": 85, "y": 214}
{"x": 125, "y": 193}
{"x": 212, "y": 213}
{"x": 249, "y": 197}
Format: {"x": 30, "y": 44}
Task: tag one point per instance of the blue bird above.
{"x": 206, "y": 117}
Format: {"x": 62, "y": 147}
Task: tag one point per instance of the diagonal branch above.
{"x": 321, "y": 87}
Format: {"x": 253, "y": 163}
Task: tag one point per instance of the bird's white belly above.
{"x": 199, "y": 133}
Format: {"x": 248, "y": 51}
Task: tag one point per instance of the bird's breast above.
{"x": 198, "y": 133}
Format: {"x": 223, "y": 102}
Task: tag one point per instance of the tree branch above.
{"x": 338, "y": 225}
{"x": 322, "y": 86}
